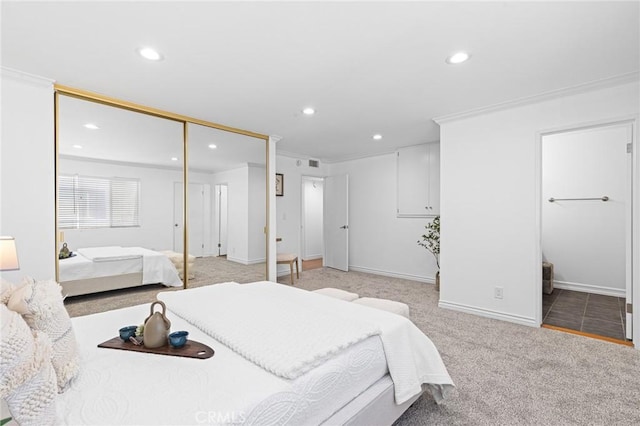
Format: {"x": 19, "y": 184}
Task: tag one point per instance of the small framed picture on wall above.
{"x": 279, "y": 184}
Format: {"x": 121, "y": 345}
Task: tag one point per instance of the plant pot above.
{"x": 438, "y": 281}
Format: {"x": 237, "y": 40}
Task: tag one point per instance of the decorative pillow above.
{"x": 41, "y": 304}
{"x": 27, "y": 379}
{"x": 5, "y": 290}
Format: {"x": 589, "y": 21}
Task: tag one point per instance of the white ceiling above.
{"x": 367, "y": 67}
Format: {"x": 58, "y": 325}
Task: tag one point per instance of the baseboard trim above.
{"x": 245, "y": 261}
{"x": 428, "y": 280}
{"x": 237, "y": 260}
{"x": 588, "y": 288}
{"x": 313, "y": 257}
{"x": 489, "y": 313}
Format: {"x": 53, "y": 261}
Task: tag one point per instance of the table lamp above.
{"x": 8, "y": 254}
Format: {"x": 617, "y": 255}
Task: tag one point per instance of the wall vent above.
{"x": 314, "y": 163}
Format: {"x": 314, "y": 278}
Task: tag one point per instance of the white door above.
{"x": 178, "y": 222}
{"x": 336, "y": 222}
{"x": 196, "y": 218}
{"x": 221, "y": 194}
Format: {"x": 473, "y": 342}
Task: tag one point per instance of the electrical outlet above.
{"x": 498, "y": 292}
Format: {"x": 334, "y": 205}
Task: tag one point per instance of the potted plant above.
{"x": 431, "y": 241}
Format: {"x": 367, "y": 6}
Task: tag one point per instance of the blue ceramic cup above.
{"x": 127, "y": 332}
{"x": 177, "y": 339}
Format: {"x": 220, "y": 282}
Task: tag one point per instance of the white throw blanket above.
{"x": 156, "y": 267}
{"x": 266, "y": 328}
{"x": 289, "y": 331}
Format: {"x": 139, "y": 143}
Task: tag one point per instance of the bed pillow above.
{"x": 6, "y": 288}
{"x": 27, "y": 379}
{"x": 41, "y": 304}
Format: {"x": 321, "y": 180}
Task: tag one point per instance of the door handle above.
{"x": 176, "y": 225}
{"x": 344, "y": 227}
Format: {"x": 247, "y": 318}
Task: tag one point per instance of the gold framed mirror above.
{"x": 124, "y": 180}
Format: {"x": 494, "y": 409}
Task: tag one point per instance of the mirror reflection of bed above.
{"x": 120, "y": 204}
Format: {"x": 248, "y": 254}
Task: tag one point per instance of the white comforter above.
{"x": 156, "y": 267}
{"x": 289, "y": 331}
{"x": 131, "y": 388}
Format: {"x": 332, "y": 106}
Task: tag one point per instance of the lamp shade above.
{"x": 8, "y": 254}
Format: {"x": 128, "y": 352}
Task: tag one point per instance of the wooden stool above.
{"x": 289, "y": 258}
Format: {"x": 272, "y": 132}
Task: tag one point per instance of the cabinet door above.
{"x": 413, "y": 181}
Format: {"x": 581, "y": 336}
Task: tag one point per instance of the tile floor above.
{"x": 589, "y": 313}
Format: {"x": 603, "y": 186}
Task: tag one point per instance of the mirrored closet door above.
{"x": 227, "y": 205}
{"x": 126, "y": 217}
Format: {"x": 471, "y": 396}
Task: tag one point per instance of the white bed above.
{"x": 99, "y": 269}
{"x": 352, "y": 385}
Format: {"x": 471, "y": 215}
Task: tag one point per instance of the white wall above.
{"x": 257, "y": 214}
{"x": 27, "y": 173}
{"x": 380, "y": 242}
{"x": 490, "y": 200}
{"x": 246, "y": 213}
{"x": 288, "y": 211}
{"x": 585, "y": 239}
{"x": 237, "y": 181}
{"x": 312, "y": 202}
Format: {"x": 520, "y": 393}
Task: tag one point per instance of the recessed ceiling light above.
{"x": 77, "y": 146}
{"x": 91, "y": 126}
{"x": 213, "y": 146}
{"x": 308, "y": 111}
{"x": 150, "y": 54}
{"x": 458, "y": 58}
{"x": 377, "y": 137}
{"x": 174, "y": 158}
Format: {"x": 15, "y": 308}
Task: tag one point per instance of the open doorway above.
{"x": 311, "y": 222}
{"x": 221, "y": 194}
{"x": 587, "y": 230}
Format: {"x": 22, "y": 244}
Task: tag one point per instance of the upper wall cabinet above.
{"x": 419, "y": 180}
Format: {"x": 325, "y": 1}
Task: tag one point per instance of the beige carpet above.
{"x": 505, "y": 374}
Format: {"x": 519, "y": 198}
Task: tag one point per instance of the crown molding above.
{"x": 553, "y": 94}
{"x": 360, "y": 156}
{"x": 295, "y": 155}
{"x": 25, "y": 77}
{"x": 356, "y": 157}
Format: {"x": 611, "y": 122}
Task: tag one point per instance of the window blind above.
{"x": 94, "y": 202}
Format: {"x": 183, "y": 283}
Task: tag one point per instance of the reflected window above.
{"x": 92, "y": 202}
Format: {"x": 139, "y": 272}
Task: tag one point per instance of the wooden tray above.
{"x": 191, "y": 349}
